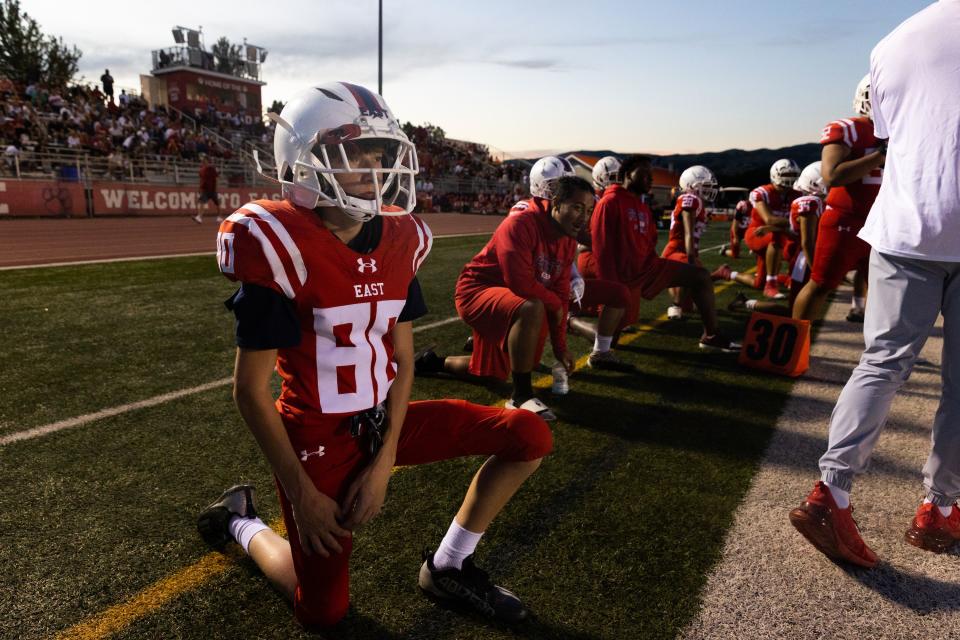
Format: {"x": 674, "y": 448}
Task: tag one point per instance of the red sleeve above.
{"x": 516, "y": 241}
{"x": 558, "y": 330}
{"x": 838, "y": 132}
{"x": 605, "y": 235}
{"x": 687, "y": 201}
{"x": 247, "y": 251}
{"x": 759, "y": 194}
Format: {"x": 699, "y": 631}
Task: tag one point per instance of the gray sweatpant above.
{"x": 903, "y": 302}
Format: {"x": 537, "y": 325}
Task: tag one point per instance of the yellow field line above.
{"x": 213, "y": 564}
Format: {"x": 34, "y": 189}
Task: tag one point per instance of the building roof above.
{"x": 586, "y": 160}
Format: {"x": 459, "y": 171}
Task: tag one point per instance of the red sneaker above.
{"x": 931, "y": 531}
{"x": 772, "y": 291}
{"x": 831, "y": 529}
{"x": 722, "y": 272}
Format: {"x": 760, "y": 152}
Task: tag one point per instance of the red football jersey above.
{"x": 779, "y": 204}
{"x": 347, "y": 303}
{"x": 856, "y": 134}
{"x": 804, "y": 206}
{"x": 675, "y": 240}
{"x": 742, "y": 214}
{"x": 529, "y": 255}
{"x": 620, "y": 237}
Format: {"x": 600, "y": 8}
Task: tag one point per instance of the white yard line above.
{"x": 709, "y": 249}
{"x": 47, "y": 429}
{"x": 106, "y": 261}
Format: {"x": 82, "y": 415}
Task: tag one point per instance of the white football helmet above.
{"x": 810, "y": 181}
{"x": 339, "y": 145}
{"x": 545, "y": 172}
{"x": 606, "y": 172}
{"x": 861, "y": 99}
{"x": 784, "y": 173}
{"x": 701, "y": 181}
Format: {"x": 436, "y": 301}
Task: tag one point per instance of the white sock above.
{"x": 771, "y": 279}
{"x": 841, "y": 497}
{"x": 858, "y": 303}
{"x": 751, "y": 304}
{"x": 734, "y": 274}
{"x": 602, "y": 343}
{"x": 243, "y": 530}
{"x": 944, "y": 511}
{"x": 455, "y": 546}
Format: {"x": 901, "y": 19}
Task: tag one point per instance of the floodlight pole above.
{"x": 380, "y": 50}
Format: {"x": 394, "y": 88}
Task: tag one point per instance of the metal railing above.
{"x": 81, "y": 167}
{"x": 195, "y": 58}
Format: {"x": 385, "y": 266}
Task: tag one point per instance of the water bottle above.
{"x": 561, "y": 386}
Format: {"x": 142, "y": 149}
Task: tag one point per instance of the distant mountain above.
{"x": 733, "y": 167}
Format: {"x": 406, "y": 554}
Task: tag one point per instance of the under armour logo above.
{"x": 841, "y": 229}
{"x": 363, "y": 266}
{"x": 306, "y": 454}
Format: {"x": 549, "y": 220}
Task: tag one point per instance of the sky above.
{"x": 529, "y": 77}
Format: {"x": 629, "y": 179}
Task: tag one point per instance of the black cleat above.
{"x": 608, "y": 361}
{"x": 213, "y": 521}
{"x": 855, "y": 315}
{"x": 470, "y": 587}
{"x": 739, "y": 303}
{"x": 427, "y": 362}
{"x": 468, "y": 345}
{"x": 718, "y": 342}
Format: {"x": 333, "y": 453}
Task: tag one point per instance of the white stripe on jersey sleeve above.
{"x": 845, "y": 128}
{"x": 273, "y": 259}
{"x": 425, "y": 238}
{"x": 284, "y": 236}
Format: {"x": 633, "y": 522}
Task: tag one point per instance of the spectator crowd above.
{"x": 84, "y": 119}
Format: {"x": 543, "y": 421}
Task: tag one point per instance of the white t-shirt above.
{"x": 915, "y": 87}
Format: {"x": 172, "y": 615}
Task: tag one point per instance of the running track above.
{"x": 39, "y": 241}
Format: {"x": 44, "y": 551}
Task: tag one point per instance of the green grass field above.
{"x": 612, "y": 538}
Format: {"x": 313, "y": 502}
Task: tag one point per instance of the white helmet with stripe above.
{"x": 784, "y": 172}
{"x": 545, "y": 172}
{"x": 606, "y": 172}
{"x": 861, "y": 98}
{"x": 701, "y": 181}
{"x": 810, "y": 181}
{"x": 339, "y": 145}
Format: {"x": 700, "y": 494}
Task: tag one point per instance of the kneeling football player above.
{"x": 516, "y": 291}
{"x": 328, "y": 292}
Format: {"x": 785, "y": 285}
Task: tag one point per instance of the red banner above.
{"x": 124, "y": 199}
{"x": 41, "y": 198}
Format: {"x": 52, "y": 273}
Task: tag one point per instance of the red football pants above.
{"x": 839, "y": 249}
{"x": 599, "y": 293}
{"x": 433, "y": 430}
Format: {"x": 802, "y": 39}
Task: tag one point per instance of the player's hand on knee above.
{"x": 367, "y": 493}
{"x": 317, "y": 517}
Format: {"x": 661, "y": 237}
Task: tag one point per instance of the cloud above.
{"x": 529, "y": 63}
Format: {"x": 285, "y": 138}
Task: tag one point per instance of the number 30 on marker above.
{"x": 776, "y": 344}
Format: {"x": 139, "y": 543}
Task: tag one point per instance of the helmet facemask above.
{"x": 359, "y": 175}
{"x": 785, "y": 180}
{"x": 861, "y": 98}
{"x": 707, "y": 190}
